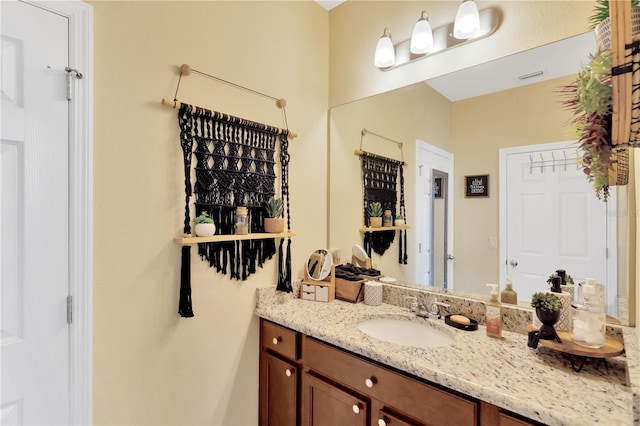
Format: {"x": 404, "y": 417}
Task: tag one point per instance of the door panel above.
{"x": 34, "y": 248}
{"x": 553, "y": 221}
{"x": 327, "y": 405}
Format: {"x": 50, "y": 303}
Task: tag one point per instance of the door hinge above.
{"x": 69, "y": 309}
{"x": 419, "y": 247}
{"x": 69, "y": 82}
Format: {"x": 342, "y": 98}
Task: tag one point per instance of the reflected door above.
{"x": 553, "y": 221}
{"x": 34, "y": 214}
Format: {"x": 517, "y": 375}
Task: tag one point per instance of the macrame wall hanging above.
{"x": 235, "y": 165}
{"x": 380, "y": 184}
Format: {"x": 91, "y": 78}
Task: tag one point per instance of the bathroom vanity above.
{"x": 317, "y": 367}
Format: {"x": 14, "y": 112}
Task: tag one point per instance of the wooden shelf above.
{"x": 383, "y": 228}
{"x": 188, "y": 240}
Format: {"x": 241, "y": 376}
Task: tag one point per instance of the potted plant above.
{"x": 375, "y": 214}
{"x": 600, "y": 22}
{"x": 204, "y": 225}
{"x": 590, "y": 100}
{"x": 274, "y": 222}
{"x": 399, "y": 220}
{"x": 547, "y": 306}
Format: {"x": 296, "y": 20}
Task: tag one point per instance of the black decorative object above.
{"x": 379, "y": 178}
{"x": 547, "y": 308}
{"x": 235, "y": 166}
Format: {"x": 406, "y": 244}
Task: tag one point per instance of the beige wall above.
{"x": 356, "y": 26}
{"x": 407, "y": 114}
{"x": 150, "y": 365}
{"x": 481, "y": 126}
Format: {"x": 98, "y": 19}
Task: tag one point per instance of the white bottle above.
{"x": 494, "y": 314}
{"x": 589, "y": 320}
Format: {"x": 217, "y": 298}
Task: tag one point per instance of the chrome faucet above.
{"x": 434, "y": 312}
{"x": 417, "y": 307}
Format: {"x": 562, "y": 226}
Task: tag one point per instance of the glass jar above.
{"x": 242, "y": 221}
{"x": 589, "y": 321}
{"x": 387, "y": 218}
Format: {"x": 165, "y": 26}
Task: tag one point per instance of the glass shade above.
{"x": 467, "y": 22}
{"x": 422, "y": 37}
{"x": 385, "y": 53}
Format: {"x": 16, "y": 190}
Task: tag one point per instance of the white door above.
{"x": 429, "y": 159}
{"x": 553, "y": 219}
{"x": 34, "y": 248}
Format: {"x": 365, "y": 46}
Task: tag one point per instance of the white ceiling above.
{"x": 562, "y": 58}
{"x": 330, "y": 4}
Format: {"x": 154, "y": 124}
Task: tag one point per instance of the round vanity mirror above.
{"x": 319, "y": 264}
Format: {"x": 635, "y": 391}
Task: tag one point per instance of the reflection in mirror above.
{"x": 319, "y": 265}
{"x": 439, "y": 248}
{"x": 473, "y": 129}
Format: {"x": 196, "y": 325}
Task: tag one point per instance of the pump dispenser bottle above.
{"x": 494, "y": 314}
{"x": 565, "y": 320}
{"x": 508, "y": 295}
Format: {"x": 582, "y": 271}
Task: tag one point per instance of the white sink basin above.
{"x": 405, "y": 333}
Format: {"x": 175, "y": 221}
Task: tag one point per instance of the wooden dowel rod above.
{"x": 176, "y": 105}
{"x": 361, "y": 152}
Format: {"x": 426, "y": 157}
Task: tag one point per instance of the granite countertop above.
{"x": 536, "y": 383}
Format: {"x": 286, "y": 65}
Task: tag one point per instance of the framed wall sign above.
{"x": 477, "y": 186}
{"x": 437, "y": 187}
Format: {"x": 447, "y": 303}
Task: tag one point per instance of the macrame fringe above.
{"x": 184, "y": 305}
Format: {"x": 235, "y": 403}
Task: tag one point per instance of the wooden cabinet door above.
{"x": 326, "y": 405}
{"x": 278, "y": 391}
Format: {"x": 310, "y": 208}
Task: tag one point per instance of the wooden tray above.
{"x": 610, "y": 349}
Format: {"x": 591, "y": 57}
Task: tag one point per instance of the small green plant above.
{"x": 546, "y": 301}
{"x": 274, "y": 207}
{"x": 375, "y": 209}
{"x": 399, "y": 217}
{"x": 203, "y": 218}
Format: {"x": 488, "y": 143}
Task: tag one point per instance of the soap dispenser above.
{"x": 494, "y": 314}
{"x": 508, "y": 295}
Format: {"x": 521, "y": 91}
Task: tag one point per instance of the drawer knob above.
{"x": 288, "y": 372}
{"x": 381, "y": 422}
{"x": 276, "y": 340}
{"x": 370, "y": 382}
{"x": 356, "y": 408}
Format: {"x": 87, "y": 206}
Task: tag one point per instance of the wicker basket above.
{"x": 621, "y": 167}
{"x": 603, "y": 29}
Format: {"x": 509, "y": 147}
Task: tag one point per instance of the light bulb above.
{"x": 422, "y": 37}
{"x": 467, "y": 23}
{"x": 385, "y": 53}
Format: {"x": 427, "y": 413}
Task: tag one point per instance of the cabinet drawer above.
{"x": 279, "y": 339}
{"x": 407, "y": 395}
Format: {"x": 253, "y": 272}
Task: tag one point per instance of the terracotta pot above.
{"x": 205, "y": 229}
{"x": 274, "y": 225}
{"x": 375, "y": 222}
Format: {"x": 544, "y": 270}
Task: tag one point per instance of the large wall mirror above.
{"x": 470, "y": 115}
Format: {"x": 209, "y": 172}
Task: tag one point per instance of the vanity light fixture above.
{"x": 385, "y": 53}
{"x": 422, "y": 36}
{"x": 467, "y": 23}
{"x": 426, "y": 41}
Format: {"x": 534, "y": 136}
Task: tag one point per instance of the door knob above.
{"x": 449, "y": 257}
{"x": 513, "y": 263}
{"x": 287, "y": 372}
{"x": 356, "y": 408}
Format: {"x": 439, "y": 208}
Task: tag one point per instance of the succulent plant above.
{"x": 375, "y": 209}
{"x": 274, "y": 207}
{"x": 399, "y": 217}
{"x": 546, "y": 301}
{"x": 203, "y": 218}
